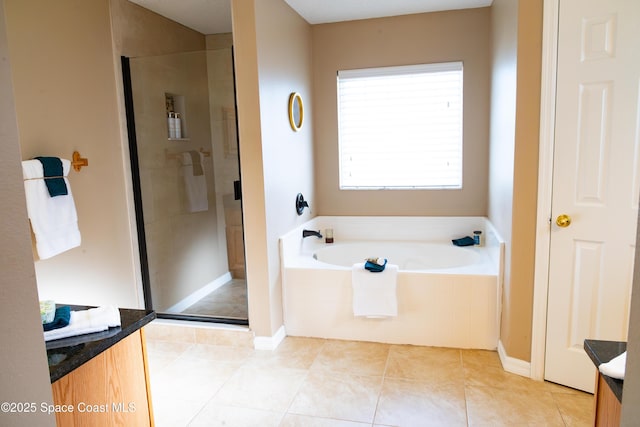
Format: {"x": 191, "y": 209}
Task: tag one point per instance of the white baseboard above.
{"x": 191, "y": 299}
{"x": 513, "y": 365}
{"x": 270, "y": 343}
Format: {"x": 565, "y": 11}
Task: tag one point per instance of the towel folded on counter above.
{"x": 53, "y": 219}
{"x": 615, "y": 367}
{"x": 60, "y": 320}
{"x": 86, "y": 322}
{"x": 195, "y": 183}
{"x": 374, "y": 295}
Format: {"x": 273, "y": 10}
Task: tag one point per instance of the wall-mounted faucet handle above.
{"x": 300, "y": 203}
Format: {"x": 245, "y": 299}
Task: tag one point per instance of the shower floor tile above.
{"x": 310, "y": 382}
{"x": 229, "y": 300}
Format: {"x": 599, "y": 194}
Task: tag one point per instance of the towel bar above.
{"x": 176, "y": 156}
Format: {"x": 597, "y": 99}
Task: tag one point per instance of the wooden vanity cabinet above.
{"x": 607, "y": 407}
{"x": 111, "y": 389}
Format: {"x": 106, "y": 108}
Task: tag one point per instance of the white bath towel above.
{"x": 195, "y": 186}
{"x": 374, "y": 294}
{"x": 53, "y": 219}
{"x": 615, "y": 367}
{"x": 86, "y": 322}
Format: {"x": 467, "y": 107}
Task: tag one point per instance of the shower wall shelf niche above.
{"x": 176, "y": 117}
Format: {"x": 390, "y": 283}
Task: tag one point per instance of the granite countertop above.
{"x": 602, "y": 352}
{"x": 65, "y": 355}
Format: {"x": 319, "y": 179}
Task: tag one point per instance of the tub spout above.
{"x": 307, "y": 233}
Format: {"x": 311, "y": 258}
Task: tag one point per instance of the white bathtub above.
{"x": 448, "y": 296}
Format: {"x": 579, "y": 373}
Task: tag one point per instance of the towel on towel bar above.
{"x": 195, "y": 185}
{"x": 196, "y": 162}
{"x": 53, "y": 219}
{"x": 86, "y": 322}
{"x": 374, "y": 295}
{"x": 53, "y": 173}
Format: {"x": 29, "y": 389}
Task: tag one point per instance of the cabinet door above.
{"x": 109, "y": 390}
{"x": 608, "y": 408}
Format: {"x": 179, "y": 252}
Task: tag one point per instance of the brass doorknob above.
{"x": 563, "y": 221}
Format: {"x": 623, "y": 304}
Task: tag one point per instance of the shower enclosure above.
{"x": 181, "y": 119}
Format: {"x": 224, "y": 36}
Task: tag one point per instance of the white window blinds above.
{"x": 401, "y": 127}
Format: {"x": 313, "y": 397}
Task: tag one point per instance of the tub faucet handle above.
{"x": 301, "y": 203}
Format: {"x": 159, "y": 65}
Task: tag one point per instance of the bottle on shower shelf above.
{"x": 178, "y": 125}
{"x": 171, "y": 124}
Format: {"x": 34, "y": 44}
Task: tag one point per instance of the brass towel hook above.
{"x": 78, "y": 162}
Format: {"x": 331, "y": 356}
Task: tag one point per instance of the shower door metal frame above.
{"x": 139, "y": 212}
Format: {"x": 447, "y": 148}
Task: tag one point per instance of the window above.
{"x": 401, "y": 127}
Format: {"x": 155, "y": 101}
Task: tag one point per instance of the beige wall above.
{"x": 412, "y": 39}
{"x": 273, "y": 58}
{"x": 525, "y": 179}
{"x": 66, "y": 100}
{"x": 24, "y": 376}
{"x": 139, "y": 32}
{"x": 68, "y": 83}
{"x": 515, "y": 111}
{"x": 253, "y": 190}
{"x": 504, "y": 26}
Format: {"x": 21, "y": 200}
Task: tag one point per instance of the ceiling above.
{"x": 321, "y": 12}
{"x": 204, "y": 16}
{"x": 214, "y": 16}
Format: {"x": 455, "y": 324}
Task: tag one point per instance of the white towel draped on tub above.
{"x": 53, "y": 219}
{"x": 374, "y": 294}
{"x": 86, "y": 322}
{"x": 195, "y": 183}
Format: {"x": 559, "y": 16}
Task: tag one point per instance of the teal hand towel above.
{"x": 464, "y": 241}
{"x": 53, "y": 176}
{"x": 61, "y": 319}
{"x": 375, "y": 265}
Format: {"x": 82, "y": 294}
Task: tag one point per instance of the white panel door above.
{"x": 595, "y": 183}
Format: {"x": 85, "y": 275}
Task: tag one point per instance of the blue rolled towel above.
{"x": 375, "y": 265}
{"x": 464, "y": 241}
{"x": 53, "y": 175}
{"x": 60, "y": 320}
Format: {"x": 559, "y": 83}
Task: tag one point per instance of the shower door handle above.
{"x": 237, "y": 190}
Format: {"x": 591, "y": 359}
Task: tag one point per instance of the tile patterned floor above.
{"x": 209, "y": 377}
{"x": 230, "y": 300}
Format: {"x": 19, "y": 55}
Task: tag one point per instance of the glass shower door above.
{"x": 184, "y": 153}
